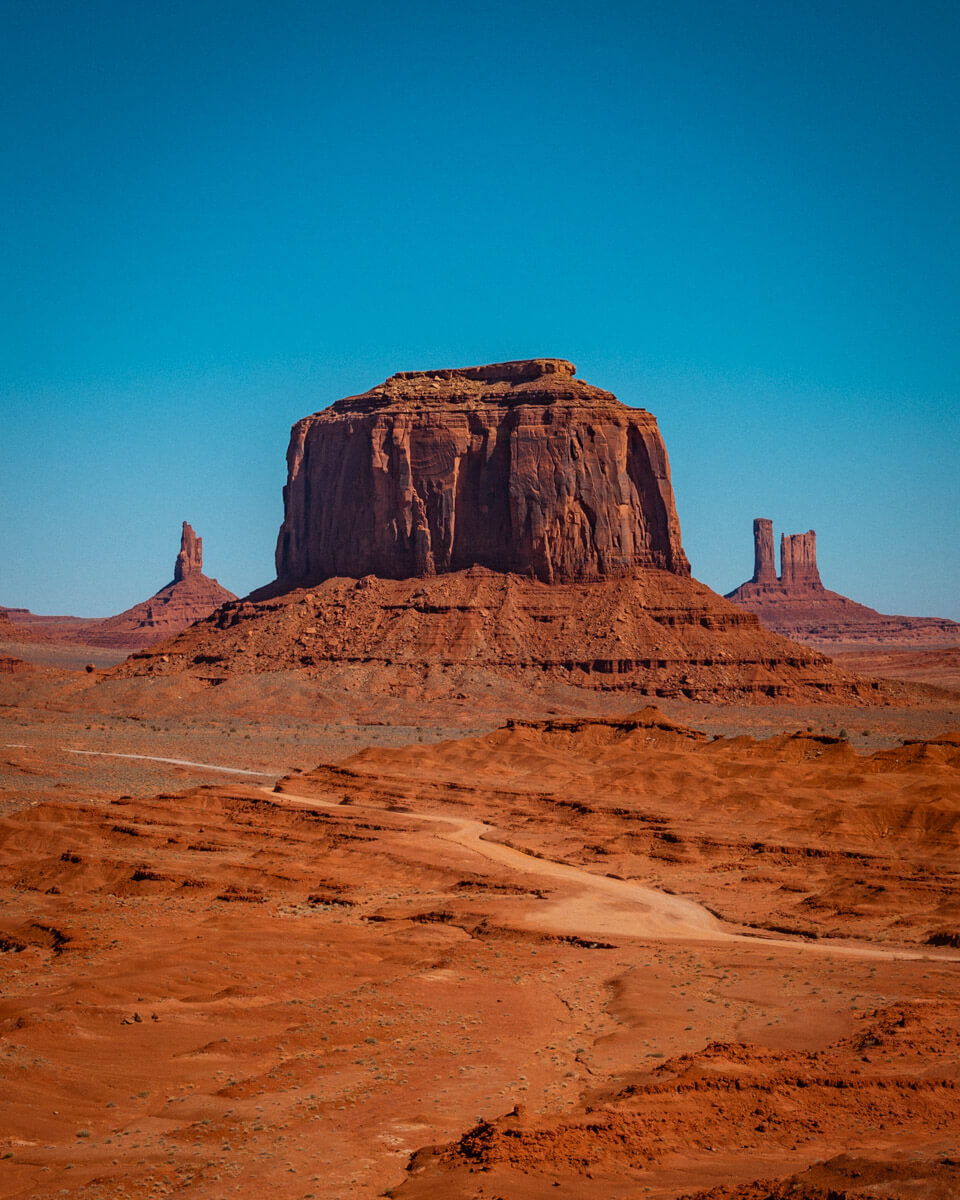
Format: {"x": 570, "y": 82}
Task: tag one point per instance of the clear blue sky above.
{"x": 218, "y": 217}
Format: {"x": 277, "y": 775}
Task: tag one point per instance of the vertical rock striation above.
{"x": 798, "y": 560}
{"x": 517, "y": 467}
{"x": 190, "y": 559}
{"x": 764, "y": 566}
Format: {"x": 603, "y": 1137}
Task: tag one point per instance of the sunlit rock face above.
{"x": 796, "y": 605}
{"x": 517, "y": 467}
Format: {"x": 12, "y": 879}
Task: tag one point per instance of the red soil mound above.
{"x": 191, "y": 1002}
{"x": 832, "y": 843}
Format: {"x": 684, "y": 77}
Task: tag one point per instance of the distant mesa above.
{"x": 510, "y": 522}
{"x": 798, "y": 606}
{"x": 188, "y": 597}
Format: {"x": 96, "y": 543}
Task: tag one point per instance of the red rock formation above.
{"x": 190, "y": 559}
{"x": 189, "y": 597}
{"x": 514, "y": 466}
{"x": 764, "y": 567}
{"x": 798, "y": 606}
{"x": 657, "y": 634}
{"x": 22, "y": 625}
{"x": 504, "y": 520}
{"x": 798, "y": 560}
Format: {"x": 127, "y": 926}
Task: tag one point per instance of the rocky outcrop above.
{"x": 656, "y": 634}
{"x": 516, "y": 467}
{"x": 798, "y": 560}
{"x": 457, "y": 530}
{"x": 22, "y": 625}
{"x": 764, "y": 566}
{"x": 507, "y": 519}
{"x": 190, "y": 559}
{"x": 190, "y": 596}
{"x": 798, "y": 606}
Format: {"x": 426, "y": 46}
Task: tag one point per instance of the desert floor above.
{"x": 521, "y": 944}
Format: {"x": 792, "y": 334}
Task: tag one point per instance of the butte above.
{"x": 452, "y": 526}
{"x": 189, "y": 596}
{"x": 798, "y": 606}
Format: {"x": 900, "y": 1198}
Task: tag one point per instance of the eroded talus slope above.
{"x": 190, "y": 596}
{"x": 658, "y": 633}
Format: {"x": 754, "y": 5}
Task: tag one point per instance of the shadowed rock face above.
{"x": 517, "y": 467}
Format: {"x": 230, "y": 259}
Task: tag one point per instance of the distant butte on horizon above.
{"x": 189, "y": 596}
{"x": 798, "y": 606}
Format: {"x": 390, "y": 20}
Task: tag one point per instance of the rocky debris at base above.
{"x": 658, "y": 634}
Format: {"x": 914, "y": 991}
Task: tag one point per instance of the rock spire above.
{"x": 764, "y": 567}
{"x": 798, "y": 560}
{"x": 797, "y": 605}
{"x": 190, "y": 559}
{"x": 191, "y": 596}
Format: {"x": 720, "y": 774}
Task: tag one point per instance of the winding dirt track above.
{"x": 597, "y": 905}
{"x": 178, "y": 762}
{"x": 590, "y": 904}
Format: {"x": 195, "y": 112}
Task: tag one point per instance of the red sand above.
{"x": 684, "y": 965}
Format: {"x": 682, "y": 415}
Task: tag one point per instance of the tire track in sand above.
{"x": 594, "y": 905}
{"x": 598, "y": 905}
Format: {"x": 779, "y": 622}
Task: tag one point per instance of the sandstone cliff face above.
{"x": 517, "y": 467}
{"x": 764, "y": 567}
{"x": 798, "y": 606}
{"x": 798, "y": 560}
